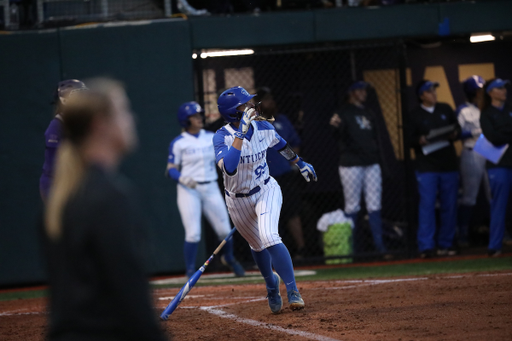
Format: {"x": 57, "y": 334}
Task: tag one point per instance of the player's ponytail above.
{"x": 78, "y": 117}
{"x": 68, "y": 176}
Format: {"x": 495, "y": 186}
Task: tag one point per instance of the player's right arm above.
{"x": 228, "y": 158}
{"x": 173, "y": 162}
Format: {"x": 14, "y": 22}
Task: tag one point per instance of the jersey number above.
{"x": 260, "y": 170}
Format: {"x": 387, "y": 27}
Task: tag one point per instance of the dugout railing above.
{"x": 309, "y": 84}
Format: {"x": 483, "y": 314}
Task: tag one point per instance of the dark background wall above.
{"x": 154, "y": 61}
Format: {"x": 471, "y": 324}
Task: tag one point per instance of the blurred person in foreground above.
{"x": 288, "y": 177}
{"x": 496, "y": 123}
{"x": 98, "y": 284}
{"x": 472, "y": 164}
{"x": 436, "y": 171}
{"x": 53, "y": 134}
{"x": 359, "y": 165}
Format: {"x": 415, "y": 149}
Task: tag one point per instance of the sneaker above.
{"x": 447, "y": 252}
{"x": 295, "y": 300}
{"x": 275, "y": 302}
{"x": 494, "y": 253}
{"x": 236, "y": 267}
{"x": 427, "y": 254}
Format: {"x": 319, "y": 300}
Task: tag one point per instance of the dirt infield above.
{"x": 460, "y": 307}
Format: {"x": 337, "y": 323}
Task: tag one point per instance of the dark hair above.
{"x": 79, "y": 114}
{"x": 470, "y": 95}
{"x": 418, "y": 87}
{"x": 487, "y": 98}
{"x": 261, "y": 93}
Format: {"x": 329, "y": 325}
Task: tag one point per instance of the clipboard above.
{"x": 442, "y": 133}
{"x": 489, "y": 151}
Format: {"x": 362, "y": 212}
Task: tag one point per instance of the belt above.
{"x": 251, "y": 192}
{"x": 203, "y": 182}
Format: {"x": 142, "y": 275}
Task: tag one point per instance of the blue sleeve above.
{"x": 174, "y": 154}
{"x": 231, "y": 160}
{"x": 231, "y": 156}
{"x": 174, "y": 174}
{"x": 281, "y": 144}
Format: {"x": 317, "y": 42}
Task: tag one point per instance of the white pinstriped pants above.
{"x": 257, "y": 217}
{"x": 359, "y": 178}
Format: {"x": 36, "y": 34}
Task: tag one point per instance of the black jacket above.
{"x": 357, "y": 137}
{"x": 98, "y": 285}
{"x": 420, "y": 123}
{"x": 497, "y": 128}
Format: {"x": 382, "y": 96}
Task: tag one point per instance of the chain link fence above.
{"x": 308, "y": 84}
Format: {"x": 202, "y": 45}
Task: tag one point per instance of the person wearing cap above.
{"x": 53, "y": 133}
{"x": 359, "y": 164}
{"x": 436, "y": 172}
{"x": 496, "y": 123}
{"x": 472, "y": 164}
{"x": 285, "y": 174}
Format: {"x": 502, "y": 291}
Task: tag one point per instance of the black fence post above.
{"x": 410, "y": 205}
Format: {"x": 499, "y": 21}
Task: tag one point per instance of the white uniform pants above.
{"x": 359, "y": 178}
{"x": 207, "y": 199}
{"x": 257, "y": 217}
{"x": 472, "y": 171}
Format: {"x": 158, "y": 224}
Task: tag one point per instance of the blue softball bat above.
{"x": 191, "y": 282}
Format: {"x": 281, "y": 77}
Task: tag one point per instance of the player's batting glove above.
{"x": 188, "y": 182}
{"x": 307, "y": 170}
{"x": 245, "y": 123}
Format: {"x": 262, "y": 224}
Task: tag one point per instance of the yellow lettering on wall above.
{"x": 437, "y": 74}
{"x": 484, "y": 70}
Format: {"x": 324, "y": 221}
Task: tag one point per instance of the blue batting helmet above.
{"x": 186, "y": 110}
{"x": 66, "y": 88}
{"x": 230, "y": 100}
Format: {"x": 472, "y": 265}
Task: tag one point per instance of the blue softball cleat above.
{"x": 275, "y": 302}
{"x": 295, "y": 300}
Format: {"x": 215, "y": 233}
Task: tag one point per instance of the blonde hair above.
{"x": 70, "y": 167}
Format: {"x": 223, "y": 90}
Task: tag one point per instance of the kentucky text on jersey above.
{"x": 254, "y": 157}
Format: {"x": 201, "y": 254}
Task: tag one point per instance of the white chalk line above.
{"x": 223, "y": 314}
{"x": 362, "y": 283}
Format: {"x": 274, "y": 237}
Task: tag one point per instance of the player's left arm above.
{"x": 306, "y": 169}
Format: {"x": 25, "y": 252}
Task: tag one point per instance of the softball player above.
{"x": 496, "y": 121}
{"x": 472, "y": 164}
{"x": 53, "y": 134}
{"x": 191, "y": 164}
{"x": 253, "y": 197}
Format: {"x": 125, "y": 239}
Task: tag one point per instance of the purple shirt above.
{"x": 52, "y": 137}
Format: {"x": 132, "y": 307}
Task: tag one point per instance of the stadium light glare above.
{"x": 194, "y": 55}
{"x": 226, "y": 53}
{"x": 481, "y": 38}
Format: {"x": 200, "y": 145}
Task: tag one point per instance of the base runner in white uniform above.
{"x": 191, "y": 163}
{"x": 253, "y": 197}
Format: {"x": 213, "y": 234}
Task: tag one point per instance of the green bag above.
{"x": 338, "y": 242}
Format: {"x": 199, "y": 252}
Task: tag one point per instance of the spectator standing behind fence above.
{"x": 496, "y": 122}
{"x": 472, "y": 164}
{"x": 288, "y": 177}
{"x": 53, "y": 133}
{"x": 436, "y": 171}
{"x": 98, "y": 284}
{"x": 359, "y": 169}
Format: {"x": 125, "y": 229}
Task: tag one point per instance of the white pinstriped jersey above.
{"x": 194, "y": 155}
{"x": 252, "y": 169}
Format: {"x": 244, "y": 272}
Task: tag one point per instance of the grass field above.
{"x": 413, "y": 267}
